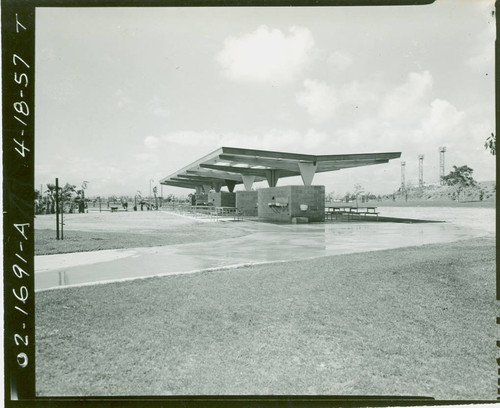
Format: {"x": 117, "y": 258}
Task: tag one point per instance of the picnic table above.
{"x": 350, "y": 211}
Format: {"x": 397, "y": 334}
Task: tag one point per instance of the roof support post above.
{"x": 307, "y": 171}
{"x": 207, "y": 188}
{"x": 230, "y": 185}
{"x": 217, "y": 186}
{"x": 248, "y": 181}
{"x": 272, "y": 177}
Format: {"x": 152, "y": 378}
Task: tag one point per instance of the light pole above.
{"x": 135, "y": 199}
{"x": 84, "y": 186}
{"x": 150, "y": 181}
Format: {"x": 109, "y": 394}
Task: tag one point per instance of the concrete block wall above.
{"x": 313, "y": 197}
{"x": 222, "y": 199}
{"x": 273, "y": 195}
{"x": 247, "y": 201}
{"x": 201, "y": 199}
{"x": 294, "y": 196}
{"x": 228, "y": 199}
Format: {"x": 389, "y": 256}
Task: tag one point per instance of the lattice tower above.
{"x": 442, "y": 150}
{"x": 403, "y": 182}
{"x": 421, "y": 170}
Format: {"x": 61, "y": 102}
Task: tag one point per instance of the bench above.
{"x": 365, "y": 211}
{"x": 336, "y": 211}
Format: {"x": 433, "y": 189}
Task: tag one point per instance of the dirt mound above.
{"x": 483, "y": 191}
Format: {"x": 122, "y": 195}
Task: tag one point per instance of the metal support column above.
{"x": 57, "y": 208}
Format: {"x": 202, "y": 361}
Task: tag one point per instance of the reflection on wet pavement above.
{"x": 265, "y": 243}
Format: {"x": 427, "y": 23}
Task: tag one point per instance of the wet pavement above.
{"x": 264, "y": 243}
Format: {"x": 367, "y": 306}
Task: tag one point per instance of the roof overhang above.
{"x": 231, "y": 165}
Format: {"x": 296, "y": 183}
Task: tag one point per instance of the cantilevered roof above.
{"x": 228, "y": 166}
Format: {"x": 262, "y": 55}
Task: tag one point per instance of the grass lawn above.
{"x": 78, "y": 241}
{"x": 410, "y": 321}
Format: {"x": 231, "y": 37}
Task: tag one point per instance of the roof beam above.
{"x": 247, "y": 170}
{"x": 273, "y": 164}
{"x": 267, "y": 154}
{"x": 214, "y": 174}
{"x": 183, "y": 185}
{"x": 204, "y": 159}
{"x": 347, "y": 165}
{"x": 358, "y": 156}
{"x": 270, "y": 165}
{"x": 183, "y": 177}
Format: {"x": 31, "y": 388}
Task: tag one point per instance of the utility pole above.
{"x": 420, "y": 170}
{"x": 62, "y": 216}
{"x": 442, "y": 151}
{"x": 57, "y": 208}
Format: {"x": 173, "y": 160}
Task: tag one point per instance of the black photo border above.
{"x": 18, "y": 113}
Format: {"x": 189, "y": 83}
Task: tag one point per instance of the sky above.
{"x": 127, "y": 96}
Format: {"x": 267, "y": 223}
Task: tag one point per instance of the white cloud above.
{"x": 122, "y": 98}
{"x": 157, "y": 108}
{"x": 408, "y": 100}
{"x": 319, "y": 99}
{"x": 339, "y": 60}
{"x": 272, "y": 139}
{"x": 483, "y": 58}
{"x": 406, "y": 117}
{"x": 191, "y": 138}
{"x": 314, "y": 139}
{"x": 151, "y": 142}
{"x": 322, "y": 100}
{"x": 267, "y": 55}
{"x": 442, "y": 119}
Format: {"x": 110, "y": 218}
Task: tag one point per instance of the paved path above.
{"x": 266, "y": 243}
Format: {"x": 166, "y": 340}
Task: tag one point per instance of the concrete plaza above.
{"x": 261, "y": 243}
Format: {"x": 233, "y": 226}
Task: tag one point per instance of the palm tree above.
{"x": 81, "y": 200}
{"x": 50, "y": 195}
{"x": 66, "y": 196}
